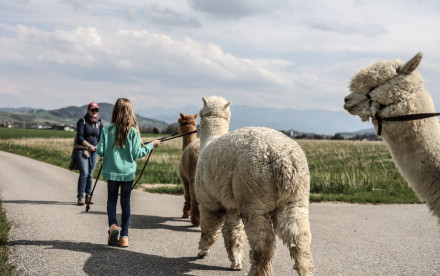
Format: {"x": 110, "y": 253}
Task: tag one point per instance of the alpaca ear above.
{"x": 411, "y": 65}
{"x": 228, "y": 104}
{"x": 205, "y": 101}
{"x": 182, "y": 116}
{"x": 195, "y": 116}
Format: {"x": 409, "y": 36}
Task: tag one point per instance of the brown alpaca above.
{"x": 188, "y": 164}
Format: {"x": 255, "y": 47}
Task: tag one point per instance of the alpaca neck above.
{"x": 187, "y": 139}
{"x": 406, "y": 137}
{"x": 212, "y": 128}
{"x": 415, "y": 148}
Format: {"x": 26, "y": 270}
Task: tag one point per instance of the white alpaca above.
{"x": 258, "y": 176}
{"x": 393, "y": 88}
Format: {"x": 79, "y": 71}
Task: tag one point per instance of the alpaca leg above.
{"x": 261, "y": 238}
{"x": 195, "y": 214}
{"x": 292, "y": 226}
{"x": 187, "y": 196}
{"x": 211, "y": 223}
{"x": 234, "y": 237}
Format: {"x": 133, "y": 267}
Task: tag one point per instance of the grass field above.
{"x": 350, "y": 171}
{"x": 15, "y": 133}
{"x": 354, "y": 171}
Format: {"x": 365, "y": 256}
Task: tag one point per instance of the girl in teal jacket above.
{"x": 120, "y": 145}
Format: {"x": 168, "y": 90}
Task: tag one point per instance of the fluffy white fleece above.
{"x": 256, "y": 179}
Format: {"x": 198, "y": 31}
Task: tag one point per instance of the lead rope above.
{"x": 142, "y": 171}
{"x": 402, "y": 118}
{"x": 163, "y": 139}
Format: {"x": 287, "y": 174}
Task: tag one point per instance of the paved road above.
{"x": 53, "y": 236}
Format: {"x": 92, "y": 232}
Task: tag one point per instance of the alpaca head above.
{"x": 187, "y": 123}
{"x": 215, "y": 107}
{"x": 214, "y": 118}
{"x": 388, "y": 88}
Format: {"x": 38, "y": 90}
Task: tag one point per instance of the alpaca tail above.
{"x": 291, "y": 174}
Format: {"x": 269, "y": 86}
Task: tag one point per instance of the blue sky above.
{"x": 170, "y": 53}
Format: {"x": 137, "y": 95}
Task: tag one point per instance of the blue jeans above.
{"x": 86, "y": 167}
{"x": 112, "y": 200}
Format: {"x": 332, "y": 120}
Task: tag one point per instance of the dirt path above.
{"x": 53, "y": 236}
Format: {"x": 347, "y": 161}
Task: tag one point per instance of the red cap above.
{"x": 92, "y": 105}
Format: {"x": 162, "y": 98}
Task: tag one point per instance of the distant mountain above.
{"x": 16, "y": 109}
{"x": 75, "y": 112}
{"x": 66, "y": 116}
{"x": 168, "y": 115}
{"x": 304, "y": 121}
{"x": 369, "y": 134}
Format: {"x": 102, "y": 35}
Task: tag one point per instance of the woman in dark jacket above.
{"x": 88, "y": 131}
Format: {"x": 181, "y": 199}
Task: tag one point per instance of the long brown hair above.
{"x": 123, "y": 118}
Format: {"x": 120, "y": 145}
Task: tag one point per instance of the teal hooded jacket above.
{"x": 119, "y": 164}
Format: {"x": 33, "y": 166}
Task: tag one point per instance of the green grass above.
{"x": 47, "y": 155}
{"x": 6, "y": 268}
{"x": 355, "y": 171}
{"x": 177, "y": 190}
{"x": 16, "y": 133}
{"x": 349, "y": 171}
{"x": 158, "y": 173}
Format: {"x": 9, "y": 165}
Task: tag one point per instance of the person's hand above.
{"x": 156, "y": 143}
{"x": 101, "y": 158}
{"x": 91, "y": 148}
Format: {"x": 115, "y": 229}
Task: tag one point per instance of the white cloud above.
{"x": 232, "y": 9}
{"x": 150, "y": 53}
{"x": 370, "y": 30}
{"x": 168, "y": 17}
{"x": 77, "y": 46}
{"x": 135, "y": 59}
{"x": 76, "y": 4}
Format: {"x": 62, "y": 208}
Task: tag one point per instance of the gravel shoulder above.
{"x": 53, "y": 236}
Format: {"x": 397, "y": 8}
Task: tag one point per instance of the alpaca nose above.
{"x": 346, "y": 99}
